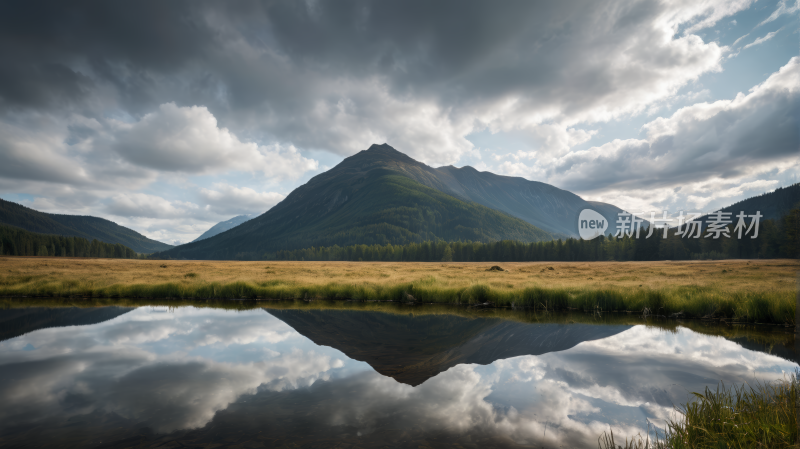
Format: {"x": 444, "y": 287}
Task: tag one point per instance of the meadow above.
{"x": 734, "y": 290}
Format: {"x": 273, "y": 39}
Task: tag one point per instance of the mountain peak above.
{"x": 383, "y": 149}
{"x": 381, "y": 153}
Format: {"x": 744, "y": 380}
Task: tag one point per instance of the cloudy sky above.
{"x": 168, "y": 117}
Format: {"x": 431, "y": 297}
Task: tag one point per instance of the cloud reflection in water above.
{"x": 176, "y": 370}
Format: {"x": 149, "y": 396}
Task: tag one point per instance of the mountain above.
{"x": 377, "y": 196}
{"x": 547, "y": 207}
{"x": 412, "y": 349}
{"x": 76, "y": 226}
{"x": 223, "y": 226}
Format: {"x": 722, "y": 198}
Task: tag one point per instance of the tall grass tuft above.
{"x": 763, "y": 415}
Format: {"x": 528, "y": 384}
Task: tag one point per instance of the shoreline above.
{"x": 751, "y": 291}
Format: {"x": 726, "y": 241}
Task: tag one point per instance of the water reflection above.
{"x": 206, "y": 377}
{"x": 16, "y": 322}
{"x": 412, "y": 349}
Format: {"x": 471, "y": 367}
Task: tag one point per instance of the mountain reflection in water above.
{"x": 412, "y": 349}
{"x": 210, "y": 377}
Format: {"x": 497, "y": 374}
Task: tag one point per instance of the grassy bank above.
{"x": 738, "y": 417}
{"x": 753, "y": 291}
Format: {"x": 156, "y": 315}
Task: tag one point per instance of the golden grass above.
{"x": 754, "y": 289}
{"x": 727, "y": 275}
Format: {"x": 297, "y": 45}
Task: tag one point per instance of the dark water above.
{"x": 205, "y": 377}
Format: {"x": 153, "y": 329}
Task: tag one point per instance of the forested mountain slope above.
{"x": 16, "y": 241}
{"x": 87, "y": 227}
{"x": 771, "y": 205}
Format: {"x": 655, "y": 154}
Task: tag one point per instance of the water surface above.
{"x": 206, "y": 377}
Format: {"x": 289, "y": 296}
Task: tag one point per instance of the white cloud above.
{"x": 66, "y": 164}
{"x": 228, "y": 199}
{"x": 359, "y": 113}
{"x": 171, "y": 220}
{"x": 739, "y": 40}
{"x": 727, "y": 139}
{"x": 782, "y": 9}
{"x": 520, "y": 169}
{"x": 717, "y": 189}
{"x": 149, "y": 206}
{"x": 706, "y": 13}
{"x": 420, "y": 98}
{"x": 187, "y": 139}
{"x": 39, "y": 147}
{"x": 761, "y": 40}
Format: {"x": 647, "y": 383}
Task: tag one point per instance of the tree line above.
{"x": 776, "y": 239}
{"x": 19, "y": 242}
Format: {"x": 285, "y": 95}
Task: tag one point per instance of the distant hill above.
{"x": 223, "y": 226}
{"x": 376, "y": 196}
{"x": 76, "y": 226}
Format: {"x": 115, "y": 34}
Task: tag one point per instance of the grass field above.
{"x": 755, "y": 290}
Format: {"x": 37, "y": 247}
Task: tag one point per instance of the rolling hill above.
{"x": 376, "y": 196}
{"x": 76, "y": 226}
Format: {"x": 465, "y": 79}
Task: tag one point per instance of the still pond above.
{"x": 192, "y": 376}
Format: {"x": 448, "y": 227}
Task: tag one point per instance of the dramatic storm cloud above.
{"x": 169, "y": 117}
